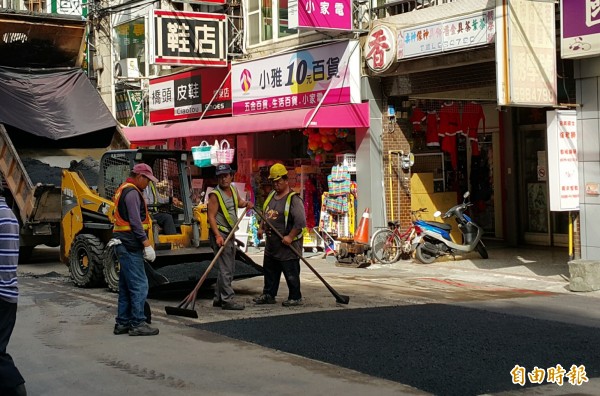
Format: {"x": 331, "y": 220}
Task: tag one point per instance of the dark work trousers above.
{"x": 166, "y": 222}
{"x": 225, "y": 269}
{"x": 10, "y": 376}
{"x": 291, "y": 271}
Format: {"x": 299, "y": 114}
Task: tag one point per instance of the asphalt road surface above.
{"x": 439, "y": 348}
{"x": 452, "y": 328}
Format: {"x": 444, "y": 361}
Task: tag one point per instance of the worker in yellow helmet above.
{"x": 285, "y": 211}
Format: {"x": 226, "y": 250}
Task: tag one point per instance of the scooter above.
{"x": 435, "y": 240}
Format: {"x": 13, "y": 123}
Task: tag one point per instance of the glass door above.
{"x": 539, "y": 225}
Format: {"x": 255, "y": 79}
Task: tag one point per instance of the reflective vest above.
{"x": 224, "y": 209}
{"x": 122, "y": 225}
{"x": 286, "y": 210}
{"x": 154, "y": 196}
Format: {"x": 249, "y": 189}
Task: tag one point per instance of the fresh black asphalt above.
{"x": 441, "y": 349}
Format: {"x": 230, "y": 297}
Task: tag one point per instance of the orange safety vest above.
{"x": 122, "y": 225}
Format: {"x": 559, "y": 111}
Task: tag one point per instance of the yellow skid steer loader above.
{"x": 86, "y": 225}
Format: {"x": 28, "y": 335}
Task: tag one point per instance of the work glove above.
{"x": 113, "y": 242}
{"x": 149, "y": 254}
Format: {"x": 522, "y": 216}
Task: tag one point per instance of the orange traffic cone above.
{"x": 362, "y": 232}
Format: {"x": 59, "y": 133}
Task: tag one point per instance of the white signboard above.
{"x": 447, "y": 35}
{"x": 526, "y": 62}
{"x": 298, "y": 80}
{"x": 563, "y": 174}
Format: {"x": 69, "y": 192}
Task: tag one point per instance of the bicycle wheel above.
{"x": 386, "y": 246}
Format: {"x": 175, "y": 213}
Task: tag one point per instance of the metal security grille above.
{"x": 116, "y": 169}
{"x": 168, "y": 186}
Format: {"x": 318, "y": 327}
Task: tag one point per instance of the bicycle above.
{"x": 389, "y": 244}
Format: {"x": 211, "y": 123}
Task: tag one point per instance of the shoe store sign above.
{"x": 190, "y": 94}
{"x": 188, "y": 38}
{"x": 447, "y": 35}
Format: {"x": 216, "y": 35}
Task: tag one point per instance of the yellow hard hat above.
{"x": 277, "y": 171}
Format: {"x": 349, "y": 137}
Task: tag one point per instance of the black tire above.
{"x": 482, "y": 250}
{"x": 386, "y": 246}
{"x": 85, "y": 261}
{"x": 25, "y": 253}
{"x": 112, "y": 267}
{"x": 424, "y": 256}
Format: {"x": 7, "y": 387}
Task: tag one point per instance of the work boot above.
{"x": 18, "y": 390}
{"x": 143, "y": 330}
{"x": 232, "y": 306}
{"x": 121, "y": 329}
{"x": 264, "y": 299}
{"x": 292, "y": 303}
{"x": 217, "y": 303}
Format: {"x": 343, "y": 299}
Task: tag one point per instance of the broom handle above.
{"x": 214, "y": 260}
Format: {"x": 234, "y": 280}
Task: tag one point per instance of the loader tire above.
{"x": 112, "y": 267}
{"x": 25, "y": 253}
{"x": 85, "y": 261}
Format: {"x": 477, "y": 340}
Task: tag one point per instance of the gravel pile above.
{"x": 41, "y": 172}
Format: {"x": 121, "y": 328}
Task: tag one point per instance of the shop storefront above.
{"x": 464, "y": 107}
{"x": 302, "y": 109}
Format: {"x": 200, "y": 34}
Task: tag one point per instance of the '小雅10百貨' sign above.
{"x": 188, "y": 38}
{"x": 328, "y": 74}
{"x": 186, "y": 95}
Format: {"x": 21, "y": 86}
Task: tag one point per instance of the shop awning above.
{"x": 340, "y": 116}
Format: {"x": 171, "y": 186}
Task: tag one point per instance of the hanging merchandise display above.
{"x": 472, "y": 115}
{"x": 431, "y": 132}
{"x": 449, "y": 126}
{"x": 201, "y": 155}
{"x": 324, "y": 140}
{"x": 213, "y": 153}
{"x": 225, "y": 153}
{"x": 337, "y": 208}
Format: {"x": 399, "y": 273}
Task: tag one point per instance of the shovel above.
{"x": 184, "y": 309}
{"x": 339, "y": 298}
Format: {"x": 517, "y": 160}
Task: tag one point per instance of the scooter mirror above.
{"x": 437, "y": 213}
{"x": 466, "y": 195}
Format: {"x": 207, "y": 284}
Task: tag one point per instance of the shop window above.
{"x": 130, "y": 44}
{"x": 267, "y": 21}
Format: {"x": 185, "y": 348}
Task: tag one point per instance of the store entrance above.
{"x": 539, "y": 226}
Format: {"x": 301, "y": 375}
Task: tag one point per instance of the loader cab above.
{"x": 169, "y": 166}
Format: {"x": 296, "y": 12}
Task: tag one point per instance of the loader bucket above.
{"x": 188, "y": 271}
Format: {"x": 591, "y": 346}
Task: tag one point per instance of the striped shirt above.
{"x": 9, "y": 253}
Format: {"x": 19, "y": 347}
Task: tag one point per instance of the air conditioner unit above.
{"x": 127, "y": 68}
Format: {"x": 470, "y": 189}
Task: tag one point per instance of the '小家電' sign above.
{"x": 320, "y": 14}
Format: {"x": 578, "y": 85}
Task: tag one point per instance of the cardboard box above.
{"x": 422, "y": 183}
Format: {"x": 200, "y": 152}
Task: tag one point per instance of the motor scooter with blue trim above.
{"x": 435, "y": 240}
